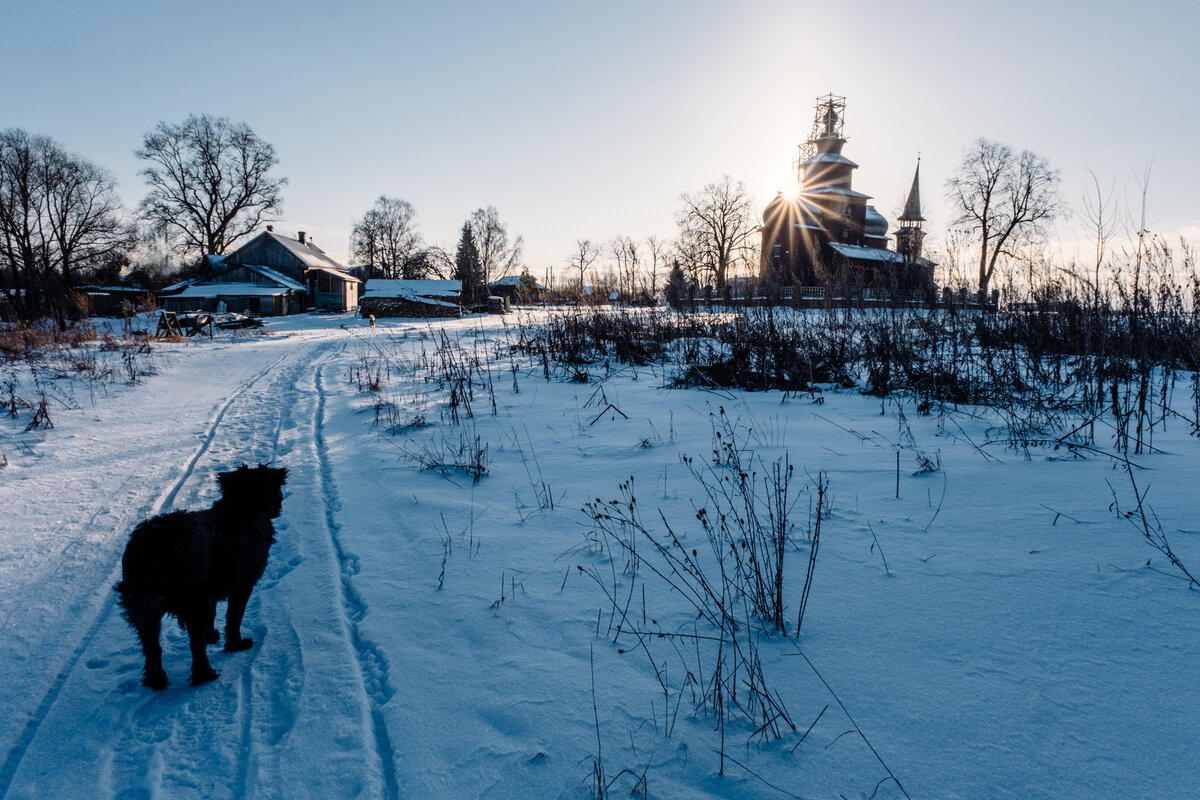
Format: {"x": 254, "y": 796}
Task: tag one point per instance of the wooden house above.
{"x": 328, "y": 285}
{"x": 241, "y": 288}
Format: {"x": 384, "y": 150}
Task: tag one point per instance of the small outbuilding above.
{"x": 517, "y": 289}
{"x": 411, "y": 298}
{"x": 331, "y": 289}
{"x": 114, "y": 301}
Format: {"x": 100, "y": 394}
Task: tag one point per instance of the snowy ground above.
{"x": 1022, "y": 640}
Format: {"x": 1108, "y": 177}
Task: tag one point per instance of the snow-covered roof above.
{"x": 514, "y": 280}
{"x": 202, "y": 290}
{"x": 215, "y": 285}
{"x": 268, "y": 273}
{"x": 837, "y": 190}
{"x": 386, "y": 287}
{"x": 175, "y": 287}
{"x": 416, "y": 298}
{"x": 829, "y": 158}
{"x": 337, "y": 273}
{"x": 97, "y": 289}
{"x": 308, "y": 253}
{"x": 867, "y": 253}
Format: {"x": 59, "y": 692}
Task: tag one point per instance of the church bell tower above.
{"x": 909, "y": 236}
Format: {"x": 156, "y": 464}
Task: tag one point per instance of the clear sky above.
{"x": 587, "y": 120}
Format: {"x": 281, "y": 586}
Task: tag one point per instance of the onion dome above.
{"x": 874, "y": 224}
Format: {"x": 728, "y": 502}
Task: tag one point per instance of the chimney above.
{"x": 270, "y": 229}
{"x": 303, "y": 237}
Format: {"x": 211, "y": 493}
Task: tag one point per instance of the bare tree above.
{"x": 428, "y": 262}
{"x": 210, "y": 182}
{"x": 59, "y": 213}
{"x": 386, "y": 239}
{"x": 656, "y": 263}
{"x": 627, "y": 260}
{"x": 1098, "y": 211}
{"x": 87, "y": 220}
{"x": 582, "y": 258}
{"x": 497, "y": 256}
{"x": 1004, "y": 199}
{"x": 717, "y": 228}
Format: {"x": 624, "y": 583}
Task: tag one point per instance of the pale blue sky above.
{"x": 588, "y": 120}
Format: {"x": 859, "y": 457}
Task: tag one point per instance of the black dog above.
{"x": 184, "y": 562}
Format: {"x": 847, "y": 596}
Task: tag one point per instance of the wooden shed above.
{"x": 411, "y": 298}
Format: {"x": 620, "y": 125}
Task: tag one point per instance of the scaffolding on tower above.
{"x": 828, "y": 120}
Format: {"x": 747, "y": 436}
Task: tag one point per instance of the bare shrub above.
{"x": 731, "y": 596}
{"x": 467, "y": 454}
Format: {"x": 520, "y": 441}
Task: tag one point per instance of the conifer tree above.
{"x": 676, "y": 289}
{"x": 467, "y": 268}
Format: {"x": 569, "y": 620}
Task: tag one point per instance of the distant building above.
{"x": 113, "y": 301}
{"x": 828, "y": 234}
{"x": 517, "y": 289}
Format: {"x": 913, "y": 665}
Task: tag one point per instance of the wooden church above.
{"x": 828, "y": 235}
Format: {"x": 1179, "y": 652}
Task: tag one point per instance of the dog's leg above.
{"x": 148, "y": 624}
{"x": 233, "y": 619}
{"x": 200, "y": 622}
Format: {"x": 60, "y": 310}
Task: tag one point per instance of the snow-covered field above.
{"x": 998, "y": 630}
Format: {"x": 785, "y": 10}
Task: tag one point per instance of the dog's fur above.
{"x": 185, "y": 562}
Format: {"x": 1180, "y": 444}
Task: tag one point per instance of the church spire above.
{"x": 912, "y": 207}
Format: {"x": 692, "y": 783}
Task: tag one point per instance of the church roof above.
{"x": 867, "y": 253}
{"x": 836, "y": 190}
{"x": 912, "y": 207}
{"x": 829, "y": 158}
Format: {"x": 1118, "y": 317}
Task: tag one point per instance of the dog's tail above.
{"x": 137, "y": 605}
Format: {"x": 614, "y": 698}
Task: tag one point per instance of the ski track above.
{"x": 161, "y": 742}
{"x": 103, "y": 604}
{"x": 139, "y": 758}
{"x": 372, "y": 662}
